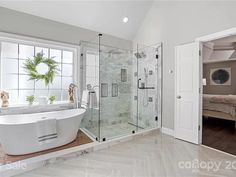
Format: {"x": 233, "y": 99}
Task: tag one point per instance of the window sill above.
{"x": 25, "y": 108}
{"x": 36, "y": 104}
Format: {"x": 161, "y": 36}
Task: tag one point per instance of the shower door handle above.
{"x": 139, "y": 82}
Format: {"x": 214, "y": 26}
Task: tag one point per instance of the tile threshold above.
{"x": 26, "y": 165}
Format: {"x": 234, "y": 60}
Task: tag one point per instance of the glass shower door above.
{"x": 149, "y": 87}
{"x": 89, "y": 88}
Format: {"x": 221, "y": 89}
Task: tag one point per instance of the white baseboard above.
{"x": 167, "y": 131}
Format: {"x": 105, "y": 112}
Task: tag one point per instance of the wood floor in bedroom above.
{"x": 81, "y": 139}
{"x": 219, "y": 134}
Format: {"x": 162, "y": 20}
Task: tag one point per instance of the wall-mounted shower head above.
{"x": 139, "y": 55}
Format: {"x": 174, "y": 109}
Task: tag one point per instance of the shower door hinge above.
{"x": 200, "y": 53}
{"x": 157, "y": 56}
{"x": 199, "y": 127}
{"x": 156, "y": 118}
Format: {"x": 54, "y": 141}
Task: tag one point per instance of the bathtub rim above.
{"x": 81, "y": 111}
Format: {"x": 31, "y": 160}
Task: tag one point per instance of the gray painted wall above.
{"x": 175, "y": 23}
{"x": 21, "y": 23}
{"x": 220, "y": 89}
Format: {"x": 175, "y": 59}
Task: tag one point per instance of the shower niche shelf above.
{"x": 146, "y": 88}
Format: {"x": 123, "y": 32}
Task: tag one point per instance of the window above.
{"x": 92, "y": 69}
{"x": 15, "y": 80}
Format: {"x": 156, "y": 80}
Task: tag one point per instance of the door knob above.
{"x": 178, "y": 97}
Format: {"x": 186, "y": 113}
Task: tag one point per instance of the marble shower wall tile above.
{"x": 116, "y": 109}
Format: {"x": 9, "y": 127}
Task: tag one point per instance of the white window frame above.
{"x": 96, "y": 77}
{"x": 24, "y": 40}
{"x": 86, "y": 50}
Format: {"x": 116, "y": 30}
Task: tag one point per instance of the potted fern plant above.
{"x": 30, "y": 99}
{"x": 52, "y": 99}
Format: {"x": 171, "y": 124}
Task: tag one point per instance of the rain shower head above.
{"x": 139, "y": 55}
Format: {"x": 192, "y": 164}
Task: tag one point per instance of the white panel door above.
{"x": 187, "y": 95}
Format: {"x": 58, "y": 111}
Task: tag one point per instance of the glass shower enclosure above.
{"x": 121, "y": 89}
{"x": 149, "y": 85}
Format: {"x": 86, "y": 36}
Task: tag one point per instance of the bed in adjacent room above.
{"x": 219, "y": 106}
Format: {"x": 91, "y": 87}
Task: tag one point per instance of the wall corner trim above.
{"x": 167, "y": 131}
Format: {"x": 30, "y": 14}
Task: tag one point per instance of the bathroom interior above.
{"x": 71, "y": 95}
{"x": 101, "y": 88}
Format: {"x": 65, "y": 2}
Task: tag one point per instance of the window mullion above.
{"x": 18, "y": 73}
{"x": 0, "y": 65}
{"x": 61, "y": 74}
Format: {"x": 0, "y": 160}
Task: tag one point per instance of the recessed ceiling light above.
{"x": 125, "y": 19}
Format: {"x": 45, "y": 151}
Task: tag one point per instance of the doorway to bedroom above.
{"x": 219, "y": 94}
{"x": 209, "y": 61}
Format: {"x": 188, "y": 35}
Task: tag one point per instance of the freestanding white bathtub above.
{"x": 18, "y": 135}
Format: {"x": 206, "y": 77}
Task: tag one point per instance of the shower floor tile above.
{"x": 112, "y": 131}
{"x": 81, "y": 139}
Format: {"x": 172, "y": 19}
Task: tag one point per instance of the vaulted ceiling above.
{"x": 102, "y": 16}
{"x": 229, "y": 41}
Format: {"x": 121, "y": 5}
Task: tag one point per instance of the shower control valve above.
{"x": 178, "y": 97}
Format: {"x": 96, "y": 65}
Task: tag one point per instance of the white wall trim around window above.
{"x": 34, "y": 41}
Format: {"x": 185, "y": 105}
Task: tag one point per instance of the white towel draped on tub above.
{"x": 46, "y": 130}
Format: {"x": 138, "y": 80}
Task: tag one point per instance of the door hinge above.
{"x": 200, "y": 53}
{"x": 199, "y": 127}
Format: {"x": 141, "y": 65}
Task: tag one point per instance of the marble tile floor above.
{"x": 150, "y": 155}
